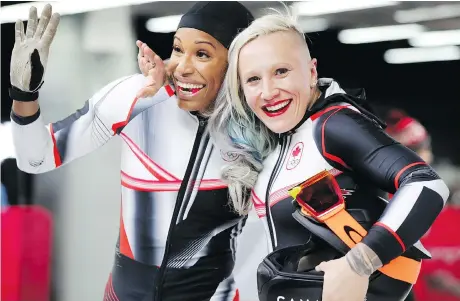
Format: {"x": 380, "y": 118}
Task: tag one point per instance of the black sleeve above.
{"x": 350, "y": 141}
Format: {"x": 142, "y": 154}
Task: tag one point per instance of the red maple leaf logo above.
{"x": 296, "y": 151}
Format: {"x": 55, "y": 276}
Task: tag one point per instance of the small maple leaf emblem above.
{"x": 295, "y": 157}
{"x": 296, "y": 151}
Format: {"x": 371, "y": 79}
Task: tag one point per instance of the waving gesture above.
{"x": 30, "y": 53}
{"x": 153, "y": 67}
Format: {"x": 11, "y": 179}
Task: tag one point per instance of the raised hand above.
{"x": 153, "y": 67}
{"x": 30, "y": 53}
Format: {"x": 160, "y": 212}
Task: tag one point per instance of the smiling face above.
{"x": 197, "y": 66}
{"x": 277, "y": 75}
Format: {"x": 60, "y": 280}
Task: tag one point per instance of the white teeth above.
{"x": 278, "y": 106}
{"x": 189, "y": 86}
{"x": 187, "y": 92}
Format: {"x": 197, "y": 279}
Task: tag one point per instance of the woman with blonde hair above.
{"x": 304, "y": 138}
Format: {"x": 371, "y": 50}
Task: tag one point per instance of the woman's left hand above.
{"x": 341, "y": 283}
{"x": 153, "y": 68}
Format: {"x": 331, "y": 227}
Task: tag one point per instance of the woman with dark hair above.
{"x": 177, "y": 233}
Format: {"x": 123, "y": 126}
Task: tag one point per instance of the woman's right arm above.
{"x": 43, "y": 147}
{"x": 40, "y": 147}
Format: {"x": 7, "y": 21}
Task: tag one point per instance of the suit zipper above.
{"x": 177, "y": 206}
{"x": 273, "y": 176}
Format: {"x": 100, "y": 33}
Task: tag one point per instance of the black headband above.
{"x": 221, "y": 19}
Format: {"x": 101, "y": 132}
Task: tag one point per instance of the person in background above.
{"x": 410, "y": 133}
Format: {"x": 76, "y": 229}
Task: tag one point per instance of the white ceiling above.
{"x": 351, "y": 19}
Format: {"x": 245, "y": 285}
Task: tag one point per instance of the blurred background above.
{"x": 405, "y": 54}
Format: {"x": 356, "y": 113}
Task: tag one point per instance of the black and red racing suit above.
{"x": 339, "y": 135}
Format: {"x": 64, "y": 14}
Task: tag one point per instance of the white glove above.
{"x": 30, "y": 53}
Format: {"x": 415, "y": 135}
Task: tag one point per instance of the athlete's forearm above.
{"x": 363, "y": 260}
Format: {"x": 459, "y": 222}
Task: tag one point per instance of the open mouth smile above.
{"x": 277, "y": 108}
{"x": 187, "y": 89}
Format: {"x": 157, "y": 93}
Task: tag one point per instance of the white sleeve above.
{"x": 40, "y": 147}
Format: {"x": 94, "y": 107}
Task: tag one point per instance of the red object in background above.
{"x": 26, "y": 237}
{"x": 443, "y": 241}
